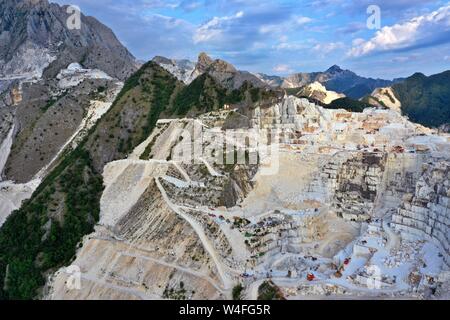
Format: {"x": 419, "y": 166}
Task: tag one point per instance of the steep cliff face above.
{"x": 424, "y": 212}
{"x": 318, "y": 92}
{"x": 66, "y": 205}
{"x": 358, "y": 179}
{"x": 364, "y": 172}
{"x": 47, "y": 120}
{"x": 384, "y": 98}
{"x": 55, "y": 83}
{"x": 36, "y": 41}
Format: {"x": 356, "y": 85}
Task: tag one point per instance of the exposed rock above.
{"x": 183, "y": 70}
{"x": 318, "y": 92}
{"x": 35, "y": 40}
{"x": 273, "y": 81}
{"x": 224, "y": 73}
{"x": 385, "y": 98}
{"x": 335, "y": 169}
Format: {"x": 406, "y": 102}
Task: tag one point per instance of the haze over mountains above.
{"x": 334, "y": 79}
{"x": 89, "y": 174}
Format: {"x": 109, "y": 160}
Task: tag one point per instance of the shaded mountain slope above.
{"x": 425, "y": 100}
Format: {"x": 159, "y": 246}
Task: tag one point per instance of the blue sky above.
{"x": 282, "y": 37}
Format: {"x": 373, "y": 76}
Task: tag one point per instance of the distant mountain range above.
{"x": 223, "y": 72}
{"x": 334, "y": 79}
{"x": 424, "y": 99}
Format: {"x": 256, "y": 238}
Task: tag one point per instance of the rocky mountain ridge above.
{"x": 223, "y": 72}
{"x": 36, "y": 41}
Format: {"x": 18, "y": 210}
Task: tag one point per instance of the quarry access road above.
{"x": 227, "y": 282}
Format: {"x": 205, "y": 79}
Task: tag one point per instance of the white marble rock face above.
{"x": 348, "y": 195}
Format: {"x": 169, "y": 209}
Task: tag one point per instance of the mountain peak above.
{"x": 334, "y": 69}
{"x": 27, "y": 3}
{"x": 418, "y": 75}
{"x": 162, "y": 60}
{"x": 204, "y": 61}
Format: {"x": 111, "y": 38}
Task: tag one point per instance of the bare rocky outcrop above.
{"x": 223, "y": 72}
{"x": 318, "y": 92}
{"x": 46, "y": 119}
{"x": 36, "y": 41}
{"x": 424, "y": 212}
{"x": 385, "y": 98}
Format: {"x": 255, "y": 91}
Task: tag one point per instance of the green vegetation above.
{"x": 348, "y": 104}
{"x": 43, "y": 235}
{"x": 269, "y": 291}
{"x": 375, "y": 101}
{"x": 101, "y": 89}
{"x": 237, "y": 292}
{"x": 175, "y": 294}
{"x": 163, "y": 87}
{"x": 292, "y": 91}
{"x": 240, "y": 222}
{"x": 28, "y": 248}
{"x": 345, "y": 103}
{"x": 426, "y": 100}
{"x": 51, "y": 102}
{"x": 204, "y": 94}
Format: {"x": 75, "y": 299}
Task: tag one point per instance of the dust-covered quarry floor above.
{"x": 354, "y": 205}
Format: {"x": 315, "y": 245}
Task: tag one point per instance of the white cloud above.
{"x": 420, "y": 31}
{"x": 358, "y": 41}
{"x": 215, "y": 28}
{"x": 326, "y": 48}
{"x": 282, "y": 68}
{"x": 401, "y": 59}
{"x": 292, "y": 23}
{"x": 300, "y": 20}
{"x": 291, "y": 46}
